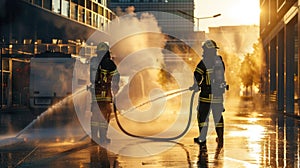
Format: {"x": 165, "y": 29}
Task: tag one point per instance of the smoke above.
{"x": 252, "y": 75}
{"x": 232, "y": 66}
{"x": 128, "y": 11}
{"x": 234, "y": 42}
{"x": 130, "y": 34}
{"x": 237, "y": 40}
{"x": 136, "y": 44}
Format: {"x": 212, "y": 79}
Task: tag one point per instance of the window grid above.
{"x": 91, "y": 12}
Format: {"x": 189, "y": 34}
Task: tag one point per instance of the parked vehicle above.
{"x": 50, "y": 78}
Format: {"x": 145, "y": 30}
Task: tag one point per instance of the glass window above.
{"x": 47, "y": 4}
{"x": 89, "y": 4}
{"x": 100, "y": 10}
{"x": 107, "y": 14}
{"x": 38, "y": 2}
{"x": 88, "y": 17}
{"x": 95, "y": 7}
{"x": 95, "y": 20}
{"x": 56, "y": 6}
{"x": 81, "y": 2}
{"x": 65, "y": 8}
{"x": 101, "y": 21}
{"x": 81, "y": 14}
{"x": 74, "y": 11}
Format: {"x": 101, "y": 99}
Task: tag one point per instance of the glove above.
{"x": 90, "y": 87}
{"x": 195, "y": 87}
{"x": 115, "y": 89}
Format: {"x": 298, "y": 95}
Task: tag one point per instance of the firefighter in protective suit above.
{"x": 209, "y": 79}
{"x": 104, "y": 78}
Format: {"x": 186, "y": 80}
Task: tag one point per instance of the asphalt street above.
{"x": 254, "y": 137}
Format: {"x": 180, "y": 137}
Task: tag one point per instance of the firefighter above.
{"x": 104, "y": 78}
{"x": 209, "y": 79}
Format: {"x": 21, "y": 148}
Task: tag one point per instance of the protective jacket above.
{"x": 105, "y": 80}
{"x": 209, "y": 75}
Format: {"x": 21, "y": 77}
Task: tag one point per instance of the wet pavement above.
{"x": 254, "y": 137}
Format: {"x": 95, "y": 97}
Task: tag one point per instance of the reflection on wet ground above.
{"x": 253, "y": 138}
{"x": 13, "y": 121}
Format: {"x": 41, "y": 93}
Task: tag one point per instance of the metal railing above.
{"x": 83, "y": 50}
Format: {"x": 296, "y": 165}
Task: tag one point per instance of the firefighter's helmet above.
{"x": 208, "y": 44}
{"x": 102, "y": 46}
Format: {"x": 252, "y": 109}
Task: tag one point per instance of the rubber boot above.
{"x": 94, "y": 135}
{"x": 202, "y": 146}
{"x": 220, "y": 138}
{"x": 201, "y": 140}
{"x": 103, "y": 136}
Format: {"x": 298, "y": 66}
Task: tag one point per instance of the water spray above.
{"x": 159, "y": 138}
{"x": 49, "y": 109}
{"x": 155, "y": 99}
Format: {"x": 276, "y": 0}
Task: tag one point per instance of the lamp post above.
{"x": 1, "y": 76}
{"x": 198, "y": 18}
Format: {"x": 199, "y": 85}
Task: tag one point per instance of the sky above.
{"x": 233, "y": 12}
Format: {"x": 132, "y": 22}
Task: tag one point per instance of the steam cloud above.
{"x": 136, "y": 43}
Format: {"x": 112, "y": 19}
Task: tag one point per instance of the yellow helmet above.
{"x": 102, "y": 46}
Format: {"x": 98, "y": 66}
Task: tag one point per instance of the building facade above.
{"x": 279, "y": 32}
{"x": 30, "y": 27}
{"x": 47, "y": 19}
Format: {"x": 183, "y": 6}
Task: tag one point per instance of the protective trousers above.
{"x": 203, "y": 120}
{"x": 101, "y": 111}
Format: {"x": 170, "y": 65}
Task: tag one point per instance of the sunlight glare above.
{"x": 245, "y": 12}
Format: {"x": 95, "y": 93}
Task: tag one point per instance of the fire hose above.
{"x": 159, "y": 138}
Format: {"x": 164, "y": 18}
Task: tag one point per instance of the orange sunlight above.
{"x": 244, "y": 12}
{"x": 233, "y": 12}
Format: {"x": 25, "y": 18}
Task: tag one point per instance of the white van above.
{"x": 50, "y": 78}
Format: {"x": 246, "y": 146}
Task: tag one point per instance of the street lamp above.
{"x": 1, "y": 76}
{"x": 198, "y": 18}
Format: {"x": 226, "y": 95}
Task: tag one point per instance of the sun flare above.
{"x": 244, "y": 12}
{"x": 233, "y": 12}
